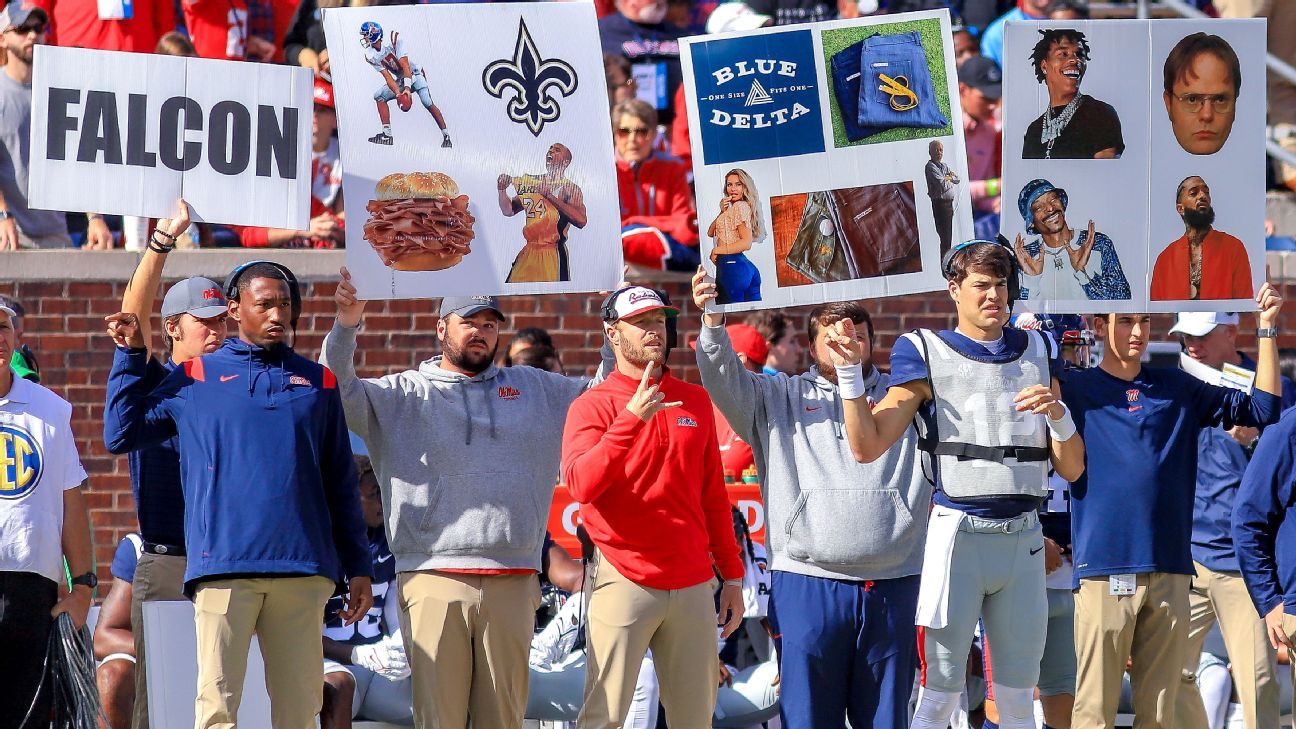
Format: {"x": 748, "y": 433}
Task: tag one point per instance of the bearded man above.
{"x": 466, "y": 456}
{"x": 1204, "y": 263}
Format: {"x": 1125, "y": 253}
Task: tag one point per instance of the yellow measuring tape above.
{"x": 902, "y": 97}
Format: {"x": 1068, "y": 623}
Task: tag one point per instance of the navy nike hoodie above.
{"x": 269, "y": 484}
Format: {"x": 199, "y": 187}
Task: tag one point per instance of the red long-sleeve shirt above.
{"x": 657, "y": 193}
{"x": 652, "y": 494}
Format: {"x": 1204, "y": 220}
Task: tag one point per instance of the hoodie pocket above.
{"x": 851, "y": 527}
{"x": 482, "y": 513}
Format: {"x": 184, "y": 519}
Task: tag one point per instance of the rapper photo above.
{"x": 1064, "y": 263}
{"x": 1204, "y": 263}
{"x": 1075, "y": 125}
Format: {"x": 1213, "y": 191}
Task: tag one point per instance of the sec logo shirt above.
{"x": 38, "y": 462}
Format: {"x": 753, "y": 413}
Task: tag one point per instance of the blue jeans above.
{"x": 737, "y": 279}
{"x": 896, "y": 56}
{"x": 846, "y": 649}
{"x": 846, "y": 84}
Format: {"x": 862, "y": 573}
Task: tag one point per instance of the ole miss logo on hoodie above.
{"x": 509, "y": 393}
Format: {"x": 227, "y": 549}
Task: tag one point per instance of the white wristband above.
{"x": 850, "y": 381}
{"x": 1064, "y": 427}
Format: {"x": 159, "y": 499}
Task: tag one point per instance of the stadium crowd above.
{"x": 1000, "y": 527}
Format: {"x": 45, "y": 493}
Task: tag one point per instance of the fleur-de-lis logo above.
{"x": 533, "y": 80}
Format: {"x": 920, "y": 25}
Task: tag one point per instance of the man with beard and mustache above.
{"x": 1075, "y": 125}
{"x": 24, "y": 27}
{"x": 1064, "y": 264}
{"x": 272, "y": 519}
{"x": 844, "y": 594}
{"x": 467, "y": 457}
{"x": 640, "y": 455}
{"x": 1215, "y": 263}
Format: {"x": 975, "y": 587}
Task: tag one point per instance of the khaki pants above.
{"x": 468, "y": 638}
{"x": 1151, "y": 628}
{"x": 625, "y": 620}
{"x": 1223, "y": 596}
{"x": 157, "y": 577}
{"x": 287, "y": 614}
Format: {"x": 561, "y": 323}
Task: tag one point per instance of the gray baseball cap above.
{"x": 16, "y": 13}
{"x": 466, "y": 306}
{"x": 201, "y": 297}
{"x": 12, "y": 314}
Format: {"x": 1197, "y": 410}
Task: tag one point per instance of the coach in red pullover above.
{"x": 640, "y": 456}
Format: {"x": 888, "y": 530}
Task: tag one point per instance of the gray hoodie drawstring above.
{"x": 467, "y": 399}
{"x": 490, "y": 408}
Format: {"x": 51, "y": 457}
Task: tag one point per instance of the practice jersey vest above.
{"x": 981, "y": 446}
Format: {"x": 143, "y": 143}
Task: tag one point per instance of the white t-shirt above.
{"x": 38, "y": 462}
{"x": 1059, "y": 280}
{"x": 388, "y": 59}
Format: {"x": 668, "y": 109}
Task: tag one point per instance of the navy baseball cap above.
{"x": 466, "y": 306}
{"x": 197, "y": 296}
{"x": 982, "y": 74}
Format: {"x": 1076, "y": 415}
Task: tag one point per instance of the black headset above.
{"x": 285, "y": 275}
{"x": 1014, "y": 276}
{"x": 609, "y": 315}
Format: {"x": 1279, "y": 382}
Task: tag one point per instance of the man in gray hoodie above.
{"x": 467, "y": 457}
{"x": 845, "y": 539}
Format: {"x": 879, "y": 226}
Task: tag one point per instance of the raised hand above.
{"x": 177, "y": 223}
{"x": 648, "y": 400}
{"x": 1030, "y": 265}
{"x": 1080, "y": 257}
{"x": 124, "y": 329}
{"x": 1270, "y": 304}
{"x": 349, "y": 307}
{"x": 844, "y": 347}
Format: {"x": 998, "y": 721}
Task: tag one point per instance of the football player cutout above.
{"x": 552, "y": 204}
{"x": 401, "y": 79}
{"x": 990, "y": 421}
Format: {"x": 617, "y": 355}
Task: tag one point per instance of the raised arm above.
{"x": 338, "y": 354}
{"x": 143, "y": 287}
{"x": 733, "y": 389}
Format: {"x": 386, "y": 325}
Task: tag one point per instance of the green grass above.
{"x": 933, "y": 46}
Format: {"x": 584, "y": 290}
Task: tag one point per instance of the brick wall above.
{"x": 64, "y": 325}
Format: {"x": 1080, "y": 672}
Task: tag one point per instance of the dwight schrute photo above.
{"x": 1074, "y": 125}
{"x": 1202, "y": 79}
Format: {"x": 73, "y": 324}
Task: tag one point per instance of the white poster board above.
{"x": 1150, "y": 168}
{"x": 813, "y": 147}
{"x": 494, "y": 173}
{"x": 128, "y": 134}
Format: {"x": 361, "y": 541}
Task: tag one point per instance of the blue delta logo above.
{"x": 20, "y": 462}
{"x": 758, "y": 97}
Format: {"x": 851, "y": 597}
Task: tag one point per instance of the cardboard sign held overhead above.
{"x": 128, "y": 133}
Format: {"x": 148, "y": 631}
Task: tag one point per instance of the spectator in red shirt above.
{"x": 980, "y": 88}
{"x": 658, "y": 221}
{"x": 639, "y": 455}
{"x": 108, "y": 26}
{"x": 328, "y": 221}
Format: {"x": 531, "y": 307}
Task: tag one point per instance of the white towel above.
{"x": 933, "y": 590}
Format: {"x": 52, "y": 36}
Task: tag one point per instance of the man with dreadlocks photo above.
{"x": 1075, "y": 125}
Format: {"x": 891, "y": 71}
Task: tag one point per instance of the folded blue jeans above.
{"x": 902, "y": 60}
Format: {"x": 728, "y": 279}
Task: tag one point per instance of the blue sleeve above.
{"x": 1259, "y": 508}
{"x": 1110, "y": 284}
{"x": 907, "y": 364}
{"x": 138, "y": 408}
{"x": 992, "y": 41}
{"x": 124, "y": 560}
{"x": 1224, "y": 405}
{"x": 342, "y": 489}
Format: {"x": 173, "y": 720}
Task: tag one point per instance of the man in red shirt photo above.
{"x": 1204, "y": 263}
{"x": 640, "y": 455}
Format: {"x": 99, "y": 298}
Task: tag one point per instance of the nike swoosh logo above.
{"x": 227, "y": 378}
{"x": 1036, "y": 551}
{"x": 384, "y": 559}
{"x": 811, "y": 410}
